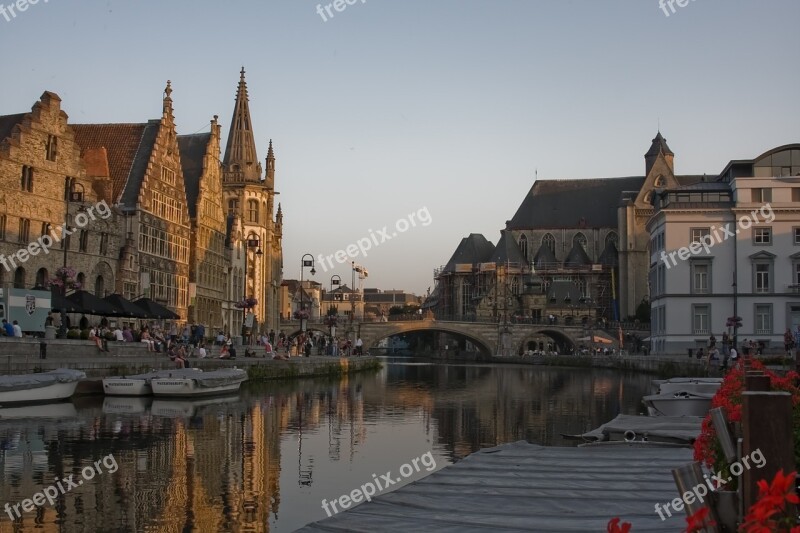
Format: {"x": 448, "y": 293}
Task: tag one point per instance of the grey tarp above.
{"x": 173, "y": 373}
{"x": 525, "y": 487}
{"x": 675, "y": 429}
{"x": 37, "y": 381}
{"x": 220, "y": 378}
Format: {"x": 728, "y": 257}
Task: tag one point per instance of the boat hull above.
{"x": 126, "y": 387}
{"x": 678, "y": 406}
{"x": 54, "y": 392}
{"x": 182, "y": 387}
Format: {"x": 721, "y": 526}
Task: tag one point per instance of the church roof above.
{"x": 129, "y": 147}
{"x": 193, "y": 151}
{"x": 577, "y": 257}
{"x": 472, "y": 250}
{"x": 507, "y": 250}
{"x": 240, "y": 150}
{"x": 659, "y": 146}
{"x": 563, "y": 291}
{"x": 610, "y": 256}
{"x": 7, "y": 123}
{"x": 573, "y": 203}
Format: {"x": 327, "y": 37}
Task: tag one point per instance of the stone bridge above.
{"x": 490, "y": 338}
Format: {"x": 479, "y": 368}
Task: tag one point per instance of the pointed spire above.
{"x": 657, "y": 149}
{"x": 270, "y": 154}
{"x": 168, "y": 99}
{"x": 241, "y": 160}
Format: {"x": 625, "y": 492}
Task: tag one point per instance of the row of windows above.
{"x": 549, "y": 241}
{"x": 158, "y": 242}
{"x": 762, "y": 276}
{"x": 701, "y": 319}
{"x": 168, "y": 287}
{"x": 253, "y": 210}
{"x": 761, "y": 236}
{"x": 212, "y": 276}
{"x": 167, "y": 208}
{"x": 212, "y": 210}
{"x": 211, "y": 240}
{"x": 168, "y": 176}
{"x": 24, "y": 235}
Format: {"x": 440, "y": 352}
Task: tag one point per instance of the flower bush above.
{"x": 301, "y": 314}
{"x": 707, "y": 448}
{"x": 694, "y": 523}
{"x": 64, "y": 276}
{"x": 769, "y": 513}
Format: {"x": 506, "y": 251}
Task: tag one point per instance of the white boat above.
{"x": 701, "y": 385}
{"x": 139, "y": 385}
{"x": 679, "y": 403}
{"x": 205, "y": 384}
{"x": 45, "y": 387}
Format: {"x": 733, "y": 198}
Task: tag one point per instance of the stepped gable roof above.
{"x": 472, "y": 250}
{"x": 610, "y": 256}
{"x": 577, "y": 257}
{"x": 544, "y": 256}
{"x": 573, "y": 203}
{"x": 507, "y": 250}
{"x": 129, "y": 147}
{"x": 7, "y": 123}
{"x": 193, "y": 151}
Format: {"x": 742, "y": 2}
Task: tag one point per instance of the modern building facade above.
{"x": 728, "y": 247}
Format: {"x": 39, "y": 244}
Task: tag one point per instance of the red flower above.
{"x": 766, "y": 514}
{"x": 697, "y": 522}
{"x": 614, "y": 527}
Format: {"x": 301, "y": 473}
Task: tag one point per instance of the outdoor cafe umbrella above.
{"x": 127, "y": 308}
{"x": 155, "y": 310}
{"x": 92, "y": 305}
{"x": 59, "y": 303}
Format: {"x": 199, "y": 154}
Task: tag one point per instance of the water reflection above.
{"x": 263, "y": 460}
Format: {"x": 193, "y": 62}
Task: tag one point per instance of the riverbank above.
{"x": 663, "y": 365}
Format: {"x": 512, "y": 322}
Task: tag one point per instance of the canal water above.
{"x": 265, "y": 460}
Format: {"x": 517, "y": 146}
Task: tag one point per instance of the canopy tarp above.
{"x": 155, "y": 310}
{"x": 59, "y": 303}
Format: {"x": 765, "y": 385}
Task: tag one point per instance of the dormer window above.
{"x": 660, "y": 181}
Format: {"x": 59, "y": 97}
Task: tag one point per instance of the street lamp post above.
{"x": 335, "y": 280}
{"x": 303, "y": 264}
{"x": 69, "y": 192}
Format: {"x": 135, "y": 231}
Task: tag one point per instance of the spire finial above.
{"x": 168, "y": 89}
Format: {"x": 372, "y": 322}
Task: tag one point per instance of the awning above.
{"x": 58, "y": 303}
{"x": 92, "y": 305}
{"x": 128, "y": 309}
{"x": 155, "y": 310}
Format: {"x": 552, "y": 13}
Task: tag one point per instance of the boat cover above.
{"x": 679, "y": 395}
{"x": 526, "y": 487}
{"x": 220, "y": 378}
{"x": 37, "y": 381}
{"x": 677, "y": 428}
{"x": 171, "y": 373}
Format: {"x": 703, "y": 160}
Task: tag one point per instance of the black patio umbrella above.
{"x": 155, "y": 310}
{"x": 92, "y": 305}
{"x": 58, "y": 303}
{"x": 128, "y": 308}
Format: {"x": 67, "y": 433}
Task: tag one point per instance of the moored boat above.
{"x": 700, "y": 385}
{"x": 679, "y": 403}
{"x": 139, "y": 384}
{"x": 208, "y": 383}
{"x": 52, "y": 386}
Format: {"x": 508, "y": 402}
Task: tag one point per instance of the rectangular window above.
{"x": 701, "y": 319}
{"x": 698, "y": 233}
{"x": 763, "y": 319}
{"x": 168, "y": 176}
{"x": 103, "y": 243}
{"x": 762, "y": 195}
{"x": 26, "y": 180}
{"x": 24, "y": 230}
{"x": 796, "y": 232}
{"x": 2, "y": 227}
{"x": 762, "y": 235}
{"x": 52, "y": 147}
{"x": 701, "y": 283}
{"x": 762, "y": 277}
{"x": 796, "y": 194}
{"x": 84, "y": 242}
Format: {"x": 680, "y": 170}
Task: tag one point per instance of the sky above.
{"x": 447, "y": 109}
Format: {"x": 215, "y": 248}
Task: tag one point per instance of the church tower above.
{"x": 250, "y": 195}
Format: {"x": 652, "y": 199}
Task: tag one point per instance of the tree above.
{"x": 643, "y": 311}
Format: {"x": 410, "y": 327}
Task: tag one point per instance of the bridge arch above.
{"x": 371, "y": 334}
{"x": 560, "y": 339}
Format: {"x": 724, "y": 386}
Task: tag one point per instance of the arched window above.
{"x": 549, "y": 241}
{"x": 81, "y": 281}
{"x": 233, "y": 206}
{"x": 659, "y": 182}
{"x": 523, "y": 246}
{"x": 26, "y": 180}
{"x": 612, "y": 237}
{"x": 515, "y": 286}
{"x": 84, "y": 242}
{"x": 42, "y": 278}
{"x": 252, "y": 211}
{"x": 580, "y": 238}
{"x": 19, "y": 278}
{"x": 99, "y": 287}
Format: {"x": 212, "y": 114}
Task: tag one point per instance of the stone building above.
{"x": 208, "y": 271}
{"x": 232, "y": 316}
{"x": 47, "y": 184}
{"x": 728, "y": 246}
{"x": 148, "y": 186}
{"x": 575, "y": 248}
{"x": 251, "y": 193}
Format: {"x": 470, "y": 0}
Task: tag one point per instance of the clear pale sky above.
{"x": 393, "y": 106}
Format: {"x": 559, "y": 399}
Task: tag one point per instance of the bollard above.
{"x": 42, "y": 350}
{"x": 770, "y": 434}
